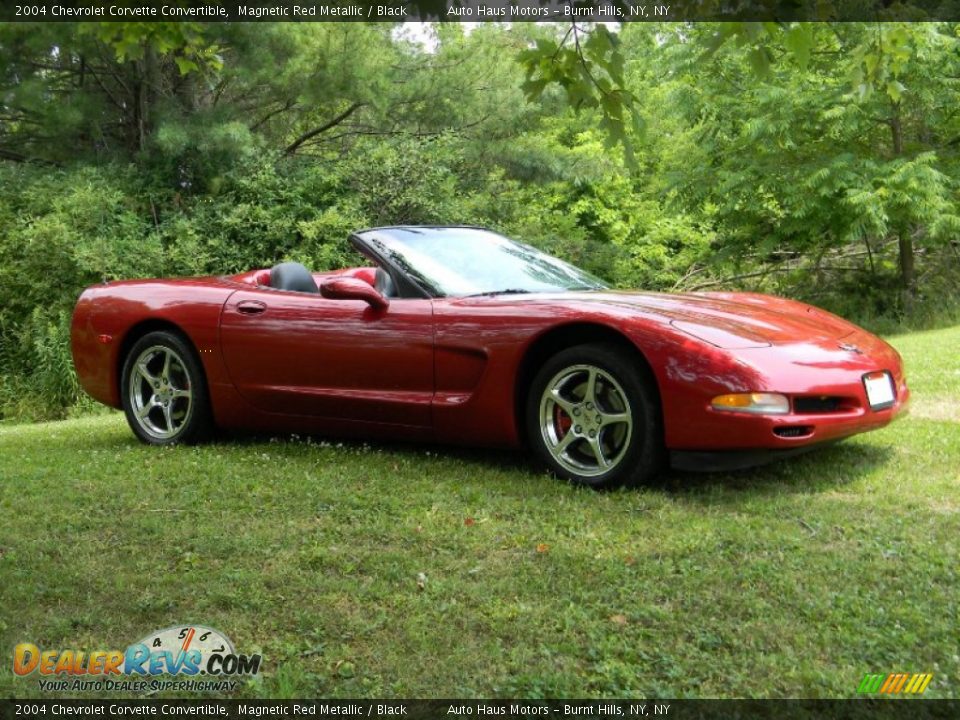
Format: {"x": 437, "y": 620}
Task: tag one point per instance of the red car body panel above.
{"x": 447, "y": 369}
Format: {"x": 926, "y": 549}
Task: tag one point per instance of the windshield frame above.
{"x": 411, "y": 285}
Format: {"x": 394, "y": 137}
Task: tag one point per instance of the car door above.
{"x": 302, "y": 354}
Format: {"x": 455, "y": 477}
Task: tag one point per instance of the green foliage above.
{"x": 668, "y": 252}
{"x": 587, "y": 62}
{"x": 60, "y": 232}
{"x": 406, "y": 181}
{"x": 185, "y": 42}
{"x": 829, "y": 175}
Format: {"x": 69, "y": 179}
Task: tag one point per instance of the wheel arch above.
{"x": 140, "y": 329}
{"x": 565, "y": 336}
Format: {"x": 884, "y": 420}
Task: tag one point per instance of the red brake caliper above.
{"x": 561, "y": 421}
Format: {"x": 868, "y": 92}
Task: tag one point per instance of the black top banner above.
{"x": 340, "y": 709}
{"x": 477, "y": 10}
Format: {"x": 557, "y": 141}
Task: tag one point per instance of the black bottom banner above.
{"x": 907, "y": 708}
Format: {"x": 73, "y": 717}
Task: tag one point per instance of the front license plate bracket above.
{"x": 879, "y": 389}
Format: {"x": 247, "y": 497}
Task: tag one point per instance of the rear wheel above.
{"x": 164, "y": 391}
{"x": 594, "y": 418}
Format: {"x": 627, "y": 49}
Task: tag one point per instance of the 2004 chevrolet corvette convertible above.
{"x": 460, "y": 335}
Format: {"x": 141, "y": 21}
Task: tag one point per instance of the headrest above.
{"x": 292, "y": 276}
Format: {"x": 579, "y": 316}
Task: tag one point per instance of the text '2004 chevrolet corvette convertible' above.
{"x": 460, "y": 335}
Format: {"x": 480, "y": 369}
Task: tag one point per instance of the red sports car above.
{"x": 460, "y": 335}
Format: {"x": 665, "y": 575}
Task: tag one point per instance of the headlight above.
{"x": 756, "y": 403}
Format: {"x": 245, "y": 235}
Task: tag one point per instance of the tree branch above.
{"x": 282, "y": 109}
{"x": 19, "y": 157}
{"x": 292, "y": 147}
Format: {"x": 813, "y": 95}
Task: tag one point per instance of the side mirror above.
{"x": 349, "y": 288}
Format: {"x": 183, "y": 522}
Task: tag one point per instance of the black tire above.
{"x": 619, "y": 424}
{"x": 164, "y": 391}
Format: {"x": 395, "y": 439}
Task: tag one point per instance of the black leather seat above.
{"x": 384, "y": 284}
{"x": 292, "y": 276}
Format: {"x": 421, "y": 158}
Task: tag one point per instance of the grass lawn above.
{"x": 790, "y": 581}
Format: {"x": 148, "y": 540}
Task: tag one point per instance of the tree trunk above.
{"x": 141, "y": 112}
{"x": 907, "y": 274}
{"x": 904, "y": 239}
{"x": 146, "y": 89}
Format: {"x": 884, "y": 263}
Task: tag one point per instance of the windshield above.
{"x": 469, "y": 261}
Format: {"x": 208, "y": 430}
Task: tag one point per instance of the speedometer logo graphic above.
{"x": 188, "y": 650}
{"x": 186, "y": 638}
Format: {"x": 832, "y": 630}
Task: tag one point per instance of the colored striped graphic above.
{"x": 895, "y": 683}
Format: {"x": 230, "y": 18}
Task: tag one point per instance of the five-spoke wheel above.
{"x": 585, "y": 420}
{"x": 164, "y": 392}
{"x": 593, "y": 416}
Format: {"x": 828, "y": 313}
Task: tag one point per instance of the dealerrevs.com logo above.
{"x": 181, "y": 654}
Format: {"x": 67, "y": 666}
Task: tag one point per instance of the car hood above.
{"x": 724, "y": 319}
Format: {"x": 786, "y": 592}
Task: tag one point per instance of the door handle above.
{"x": 250, "y": 307}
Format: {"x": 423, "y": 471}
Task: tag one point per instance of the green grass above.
{"x": 790, "y": 580}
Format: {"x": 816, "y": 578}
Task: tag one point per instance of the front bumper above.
{"x": 824, "y": 382}
{"x": 781, "y": 432}
{"x": 762, "y": 444}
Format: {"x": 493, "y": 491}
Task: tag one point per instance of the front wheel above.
{"x": 164, "y": 391}
{"x": 594, "y": 418}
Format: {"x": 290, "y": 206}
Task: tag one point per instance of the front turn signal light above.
{"x": 756, "y": 403}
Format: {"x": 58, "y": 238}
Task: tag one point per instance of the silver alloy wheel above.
{"x": 585, "y": 420}
{"x": 160, "y": 392}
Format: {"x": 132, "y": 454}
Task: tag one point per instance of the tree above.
{"x": 813, "y": 152}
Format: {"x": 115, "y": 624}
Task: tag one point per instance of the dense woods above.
{"x": 817, "y": 161}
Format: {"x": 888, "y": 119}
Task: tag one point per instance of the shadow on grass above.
{"x": 822, "y": 469}
{"x": 496, "y": 458}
